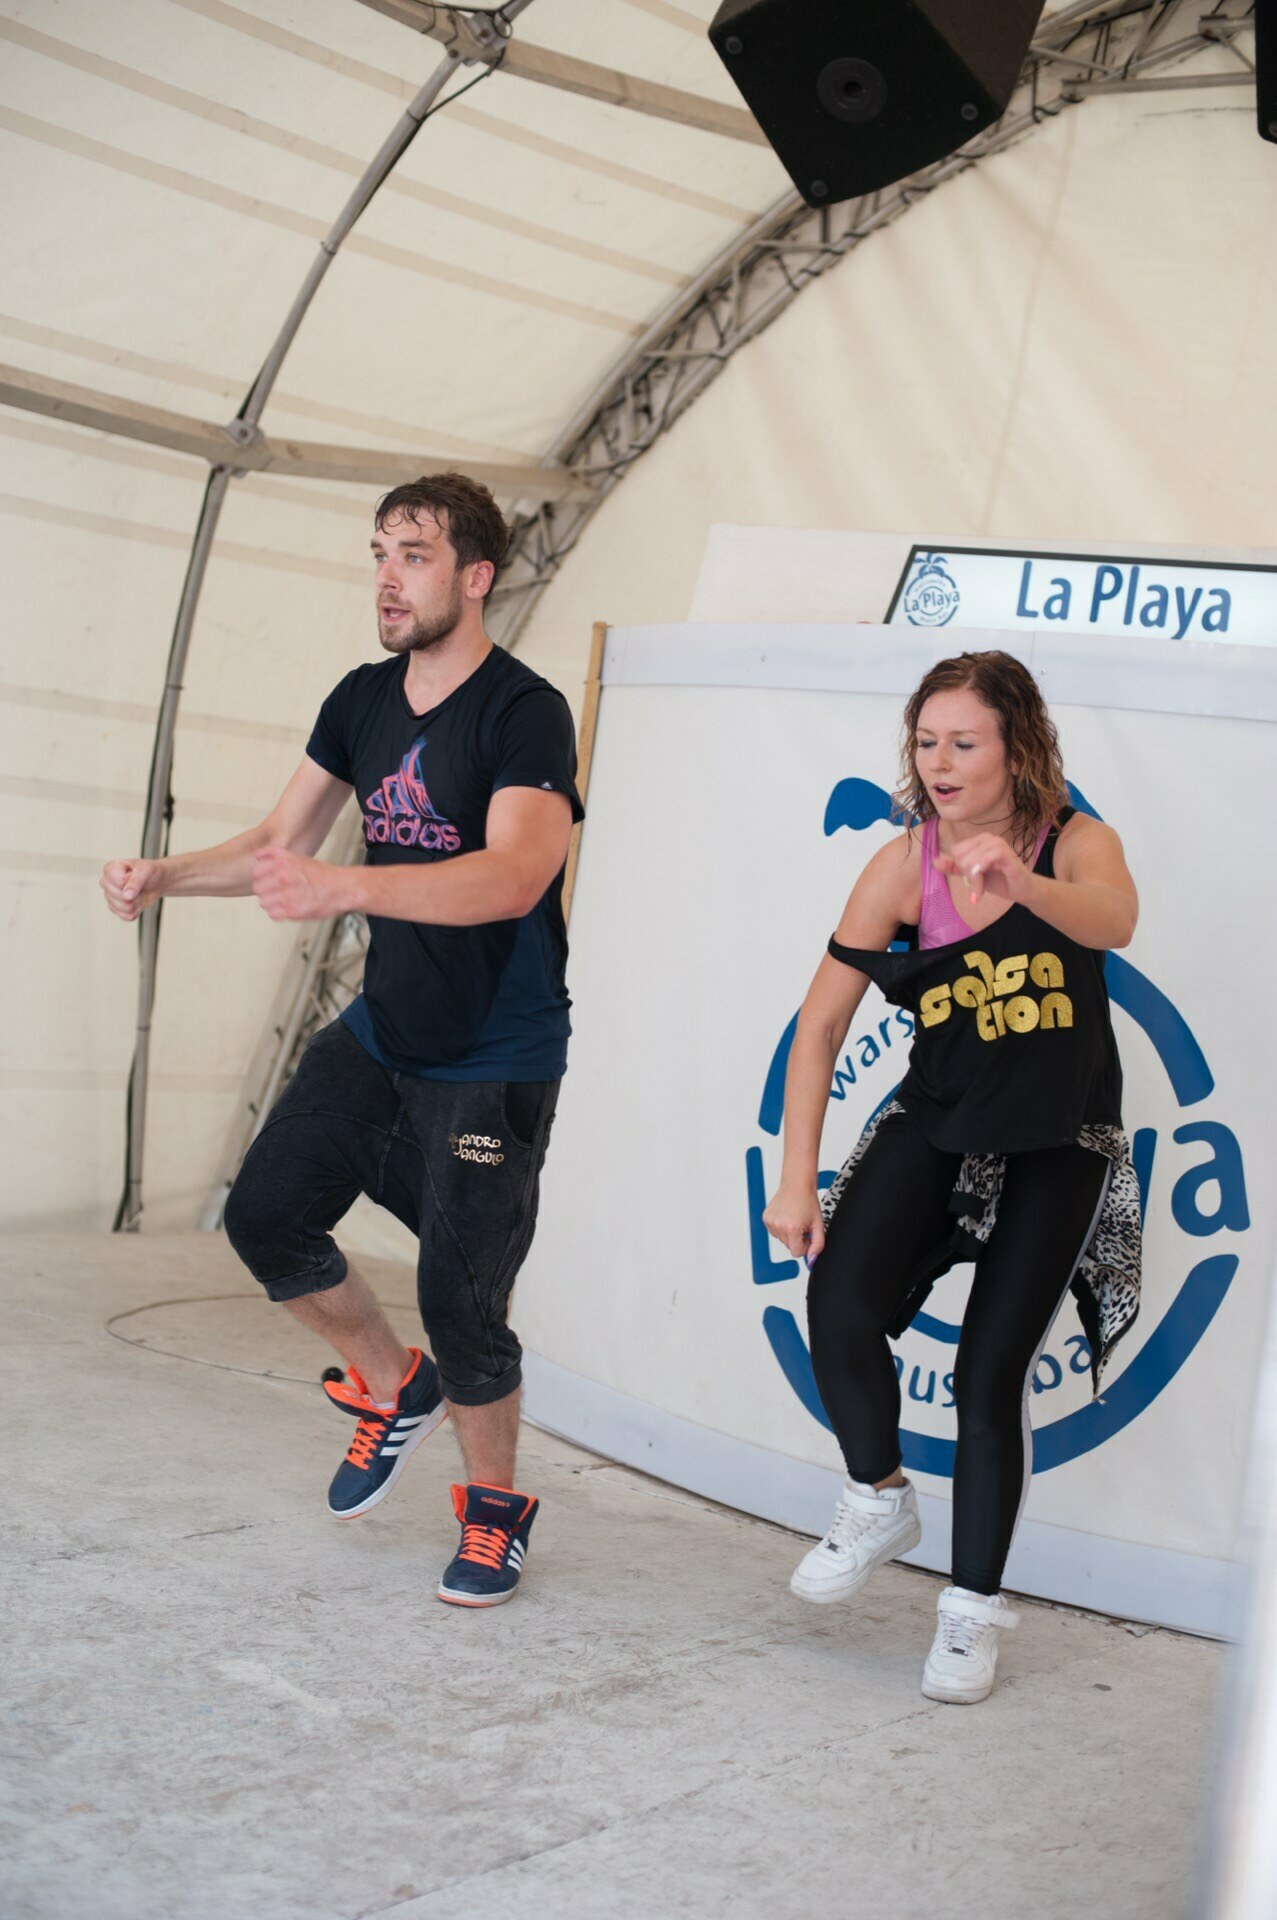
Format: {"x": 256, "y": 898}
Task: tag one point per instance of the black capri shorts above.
{"x": 458, "y": 1162}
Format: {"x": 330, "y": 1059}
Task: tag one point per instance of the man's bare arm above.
{"x": 527, "y": 834}
{"x": 300, "y": 821}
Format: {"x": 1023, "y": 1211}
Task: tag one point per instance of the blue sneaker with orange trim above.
{"x": 495, "y": 1524}
{"x": 386, "y": 1436}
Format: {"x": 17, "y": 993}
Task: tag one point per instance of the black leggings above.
{"x": 882, "y": 1241}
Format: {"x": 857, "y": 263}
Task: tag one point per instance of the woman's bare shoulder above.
{"x": 1079, "y": 825}
{"x": 900, "y": 857}
{"x": 1083, "y": 833}
{"x": 889, "y": 886}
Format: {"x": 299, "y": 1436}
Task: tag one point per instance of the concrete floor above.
{"x": 223, "y": 1703}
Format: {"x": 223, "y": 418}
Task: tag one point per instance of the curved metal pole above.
{"x": 379, "y": 168}
{"x": 244, "y": 428}
{"x": 153, "y": 836}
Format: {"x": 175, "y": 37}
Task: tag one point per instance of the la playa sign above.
{"x": 1081, "y": 593}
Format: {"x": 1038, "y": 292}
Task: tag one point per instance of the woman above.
{"x": 1003, "y": 1143}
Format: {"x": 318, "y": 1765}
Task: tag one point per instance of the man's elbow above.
{"x": 528, "y": 892}
{"x": 529, "y": 882}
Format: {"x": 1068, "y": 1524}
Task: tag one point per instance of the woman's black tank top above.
{"x": 1013, "y": 1046}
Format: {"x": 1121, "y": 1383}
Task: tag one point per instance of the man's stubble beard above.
{"x": 423, "y": 635}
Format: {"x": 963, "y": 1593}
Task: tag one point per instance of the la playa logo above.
{"x": 931, "y": 597}
{"x": 1192, "y": 1180}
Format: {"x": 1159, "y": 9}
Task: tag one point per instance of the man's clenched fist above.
{"x": 292, "y": 887}
{"x": 131, "y": 886}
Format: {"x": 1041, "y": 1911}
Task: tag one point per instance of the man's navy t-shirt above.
{"x": 454, "y": 1003}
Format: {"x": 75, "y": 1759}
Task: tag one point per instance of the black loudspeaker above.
{"x": 855, "y": 94}
{"x": 1266, "y": 66}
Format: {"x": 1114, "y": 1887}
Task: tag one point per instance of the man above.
{"x": 434, "y": 1092}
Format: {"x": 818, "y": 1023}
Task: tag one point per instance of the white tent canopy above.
{"x": 545, "y": 282}
{"x": 190, "y": 154}
{"x": 172, "y": 165}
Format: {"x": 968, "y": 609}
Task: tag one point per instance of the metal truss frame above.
{"x": 1084, "y": 51}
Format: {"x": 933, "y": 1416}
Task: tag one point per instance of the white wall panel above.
{"x": 712, "y": 872}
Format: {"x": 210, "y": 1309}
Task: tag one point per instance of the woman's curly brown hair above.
{"x": 1008, "y": 689}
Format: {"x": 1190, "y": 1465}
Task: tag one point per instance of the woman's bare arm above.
{"x": 1092, "y": 898}
{"x": 886, "y": 893}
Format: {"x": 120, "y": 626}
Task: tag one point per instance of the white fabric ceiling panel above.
{"x": 176, "y": 162}
{"x": 130, "y": 260}
{"x": 374, "y": 58}
{"x": 596, "y": 149}
{"x": 169, "y": 130}
{"x": 596, "y": 219}
{"x": 497, "y": 379}
{"x": 112, "y": 366}
{"x": 680, "y": 193}
{"x": 240, "y": 55}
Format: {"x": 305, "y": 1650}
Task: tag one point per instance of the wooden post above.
{"x": 585, "y": 750}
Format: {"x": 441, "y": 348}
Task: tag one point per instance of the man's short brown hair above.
{"x": 464, "y": 510}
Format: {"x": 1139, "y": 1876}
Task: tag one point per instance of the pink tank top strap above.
{"x": 939, "y": 922}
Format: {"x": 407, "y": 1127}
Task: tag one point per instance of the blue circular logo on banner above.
{"x": 859, "y": 804}
{"x": 931, "y": 598}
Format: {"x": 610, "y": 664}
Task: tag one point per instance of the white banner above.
{"x": 1083, "y": 593}
{"x": 727, "y": 824}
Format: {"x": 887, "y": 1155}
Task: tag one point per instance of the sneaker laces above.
{"x": 957, "y": 1634}
{"x": 486, "y": 1545}
{"x": 849, "y": 1523}
{"x": 369, "y": 1435}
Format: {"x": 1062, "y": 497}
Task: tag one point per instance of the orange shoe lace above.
{"x": 368, "y": 1437}
{"x": 487, "y": 1545}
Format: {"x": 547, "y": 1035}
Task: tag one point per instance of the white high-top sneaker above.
{"x": 868, "y": 1528}
{"x": 964, "y": 1653}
